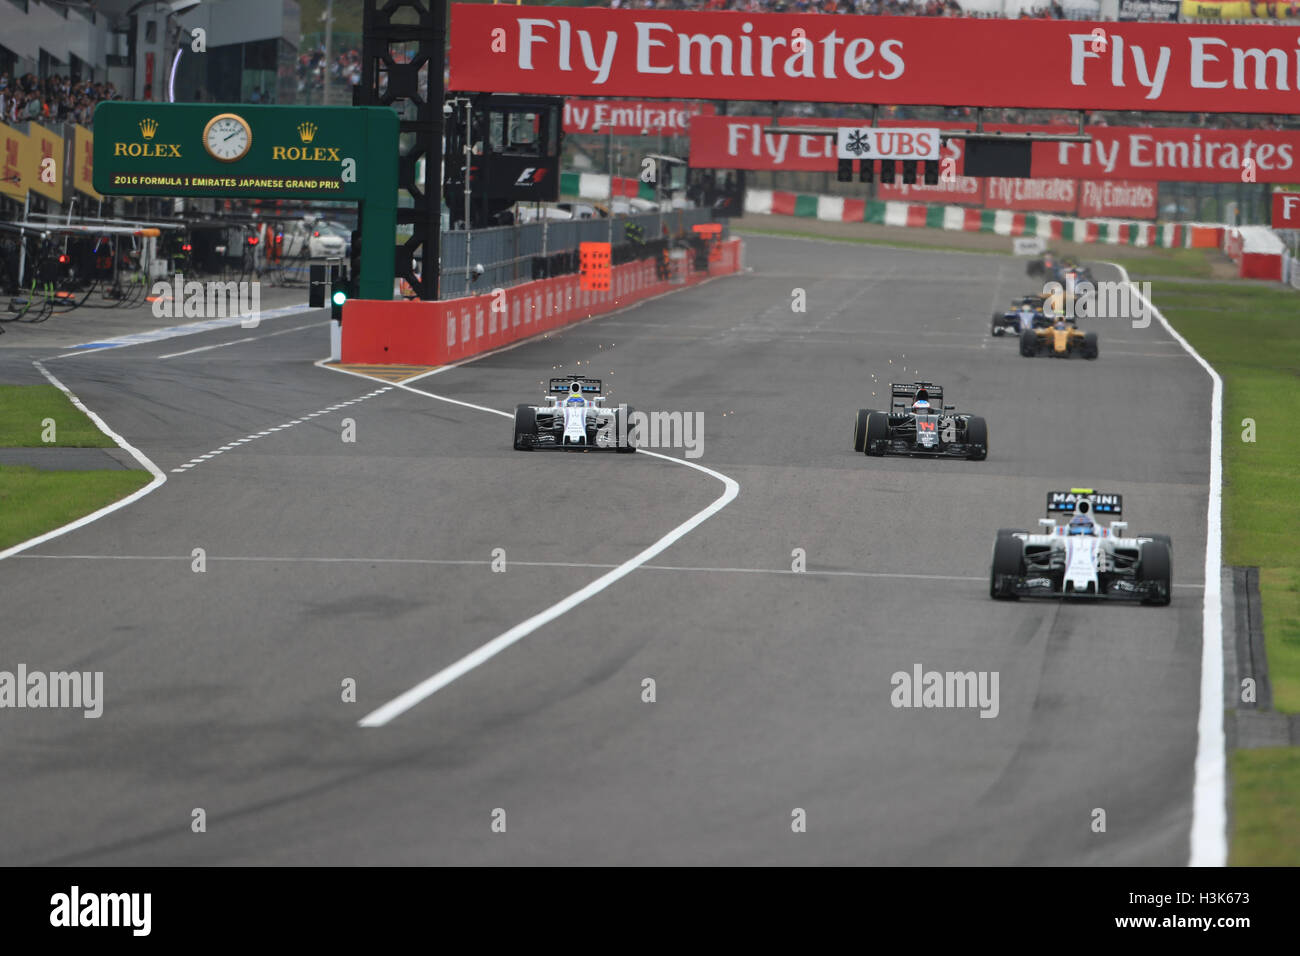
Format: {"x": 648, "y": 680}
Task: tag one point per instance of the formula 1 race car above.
{"x": 918, "y": 423}
{"x": 1046, "y": 264}
{"x": 1072, "y": 274}
{"x": 1061, "y": 339}
{"x": 1079, "y": 558}
{"x": 574, "y": 417}
{"x": 1025, "y": 313}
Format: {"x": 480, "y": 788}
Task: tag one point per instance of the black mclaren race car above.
{"x": 918, "y": 423}
{"x": 574, "y": 418}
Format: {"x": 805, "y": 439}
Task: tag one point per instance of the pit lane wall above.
{"x": 412, "y": 332}
{"x": 1002, "y": 222}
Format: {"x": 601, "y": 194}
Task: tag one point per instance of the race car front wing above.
{"x": 1110, "y": 588}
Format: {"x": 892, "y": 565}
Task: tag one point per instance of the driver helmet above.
{"x": 921, "y": 406}
{"x": 575, "y": 395}
{"x": 1081, "y": 524}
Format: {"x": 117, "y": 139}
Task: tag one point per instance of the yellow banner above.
{"x": 83, "y": 161}
{"x": 43, "y": 171}
{"x": 13, "y": 146}
{"x": 1240, "y": 10}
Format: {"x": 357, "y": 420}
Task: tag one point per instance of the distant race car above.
{"x": 918, "y": 423}
{"x": 1073, "y": 274}
{"x": 1061, "y": 339}
{"x": 1043, "y": 265}
{"x": 1080, "y": 558}
{"x": 575, "y": 418}
{"x": 1025, "y": 313}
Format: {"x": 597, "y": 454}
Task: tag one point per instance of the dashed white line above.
{"x": 275, "y": 428}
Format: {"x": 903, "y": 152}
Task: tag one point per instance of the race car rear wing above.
{"x": 910, "y": 392}
{"x": 590, "y": 386}
{"x": 1099, "y": 503}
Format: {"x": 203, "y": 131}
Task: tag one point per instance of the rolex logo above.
{"x": 306, "y": 132}
{"x": 148, "y": 127}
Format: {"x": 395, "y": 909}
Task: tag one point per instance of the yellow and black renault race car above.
{"x": 1061, "y": 339}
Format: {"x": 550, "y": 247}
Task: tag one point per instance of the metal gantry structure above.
{"x": 403, "y": 60}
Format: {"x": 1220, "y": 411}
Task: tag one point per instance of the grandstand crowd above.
{"x": 55, "y": 99}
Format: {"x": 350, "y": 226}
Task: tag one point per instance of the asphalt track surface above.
{"x": 222, "y": 688}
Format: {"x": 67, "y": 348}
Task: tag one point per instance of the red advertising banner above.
{"x": 1286, "y": 210}
{"x": 963, "y": 191}
{"x": 632, "y": 117}
{"x": 739, "y": 142}
{"x": 1031, "y": 195}
{"x": 1116, "y": 152}
{"x": 1117, "y": 200}
{"x": 945, "y": 61}
{"x": 1175, "y": 155}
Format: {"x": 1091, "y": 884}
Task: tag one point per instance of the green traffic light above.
{"x": 340, "y": 297}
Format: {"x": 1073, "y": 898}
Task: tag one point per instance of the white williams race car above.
{"x": 575, "y": 418}
{"x": 1080, "y": 558}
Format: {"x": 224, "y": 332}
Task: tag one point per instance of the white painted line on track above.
{"x": 1209, "y": 831}
{"x": 484, "y": 562}
{"x": 171, "y": 332}
{"x": 276, "y": 428}
{"x": 251, "y": 338}
{"x": 158, "y": 477}
{"x": 431, "y": 685}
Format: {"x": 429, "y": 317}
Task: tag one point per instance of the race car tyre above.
{"x": 622, "y": 422}
{"x": 877, "y": 430}
{"x": 860, "y": 428}
{"x": 1155, "y": 564}
{"x": 525, "y": 427}
{"x": 1008, "y": 558}
{"x": 1090, "y": 345}
{"x": 1169, "y": 545}
{"x": 1004, "y": 532}
{"x": 1034, "y": 267}
{"x": 1028, "y": 343}
{"x": 997, "y": 324}
{"x": 977, "y": 434}
{"x": 1162, "y": 538}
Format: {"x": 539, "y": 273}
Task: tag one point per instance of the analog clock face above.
{"x": 227, "y": 137}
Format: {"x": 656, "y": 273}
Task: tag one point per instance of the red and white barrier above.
{"x": 1257, "y": 250}
{"x": 413, "y": 332}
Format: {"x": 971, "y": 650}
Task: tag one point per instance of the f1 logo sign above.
{"x": 531, "y": 175}
{"x": 1286, "y": 210}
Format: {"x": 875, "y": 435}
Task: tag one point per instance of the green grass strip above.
{"x": 31, "y": 414}
{"x": 33, "y": 501}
